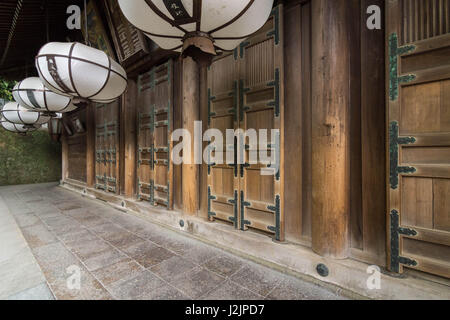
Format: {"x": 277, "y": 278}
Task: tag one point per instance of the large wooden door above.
{"x": 107, "y": 147}
{"x": 418, "y": 40}
{"x": 245, "y": 92}
{"x": 155, "y": 170}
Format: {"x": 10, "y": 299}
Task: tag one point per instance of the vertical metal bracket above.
{"x": 276, "y": 31}
{"x": 242, "y": 47}
{"x": 210, "y": 198}
{"x": 394, "y": 142}
{"x": 234, "y": 202}
{"x": 277, "y": 211}
{"x": 396, "y": 231}
{"x": 276, "y": 85}
{"x": 210, "y": 100}
{"x": 394, "y": 79}
{"x": 243, "y": 205}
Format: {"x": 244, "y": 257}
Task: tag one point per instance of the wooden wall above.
{"x": 367, "y": 115}
{"x": 76, "y": 146}
{"x": 297, "y": 26}
{"x": 367, "y": 133}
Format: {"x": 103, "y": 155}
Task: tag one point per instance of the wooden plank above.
{"x": 330, "y": 128}
{"x": 441, "y": 205}
{"x": 373, "y": 137}
{"x": 293, "y": 125}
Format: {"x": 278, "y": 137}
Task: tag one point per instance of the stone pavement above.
{"x": 118, "y": 256}
{"x": 20, "y": 275}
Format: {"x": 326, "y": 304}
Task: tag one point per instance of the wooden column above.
{"x": 191, "y": 113}
{"x": 90, "y": 145}
{"x": 64, "y": 156}
{"x": 330, "y": 128}
{"x": 129, "y": 116}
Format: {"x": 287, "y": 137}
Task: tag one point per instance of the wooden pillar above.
{"x": 128, "y": 117}
{"x": 90, "y": 145}
{"x": 191, "y": 101}
{"x": 330, "y": 128}
{"x": 64, "y": 156}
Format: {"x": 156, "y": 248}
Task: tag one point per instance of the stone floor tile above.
{"x": 77, "y": 235}
{"x": 90, "y": 221}
{"x": 54, "y": 259}
{"x": 106, "y": 229}
{"x": 201, "y": 254}
{"x": 40, "y": 292}
{"x": 225, "y": 265}
{"x": 90, "y": 289}
{"x": 86, "y": 249}
{"x": 148, "y": 254}
{"x": 123, "y": 239}
{"x": 172, "y": 267}
{"x": 166, "y": 292}
{"x": 104, "y": 259}
{"x": 120, "y": 271}
{"x": 231, "y": 291}
{"x": 27, "y": 220}
{"x": 296, "y": 289}
{"x": 197, "y": 282}
{"x": 38, "y": 235}
{"x": 143, "y": 284}
{"x": 258, "y": 279}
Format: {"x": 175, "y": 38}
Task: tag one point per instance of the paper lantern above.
{"x": 17, "y": 114}
{"x": 32, "y": 94}
{"x": 197, "y": 26}
{"x": 16, "y": 128}
{"x": 81, "y": 72}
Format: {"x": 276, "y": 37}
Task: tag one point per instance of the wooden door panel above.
{"x": 107, "y": 147}
{"x": 419, "y": 138}
{"x": 155, "y": 170}
{"x": 261, "y": 107}
{"x": 245, "y": 92}
{"x": 223, "y": 182}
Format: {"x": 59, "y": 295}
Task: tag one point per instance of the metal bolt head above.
{"x": 322, "y": 270}
{"x": 182, "y": 223}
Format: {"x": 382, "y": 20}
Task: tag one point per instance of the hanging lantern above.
{"x": 32, "y": 94}
{"x": 78, "y": 71}
{"x": 198, "y": 28}
{"x": 17, "y": 114}
{"x": 16, "y": 128}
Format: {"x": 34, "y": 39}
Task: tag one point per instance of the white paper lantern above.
{"x": 32, "y": 94}
{"x": 17, "y": 114}
{"x": 16, "y": 128}
{"x": 209, "y": 25}
{"x": 82, "y": 72}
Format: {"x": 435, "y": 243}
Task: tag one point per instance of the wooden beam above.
{"x": 191, "y": 113}
{"x": 90, "y": 145}
{"x": 330, "y": 128}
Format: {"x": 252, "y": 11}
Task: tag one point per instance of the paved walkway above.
{"x": 87, "y": 250}
{"x": 20, "y": 275}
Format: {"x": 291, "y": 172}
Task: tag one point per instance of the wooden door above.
{"x": 245, "y": 92}
{"x": 107, "y": 147}
{"x": 155, "y": 170}
{"x": 223, "y": 180}
{"x": 418, "y": 40}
